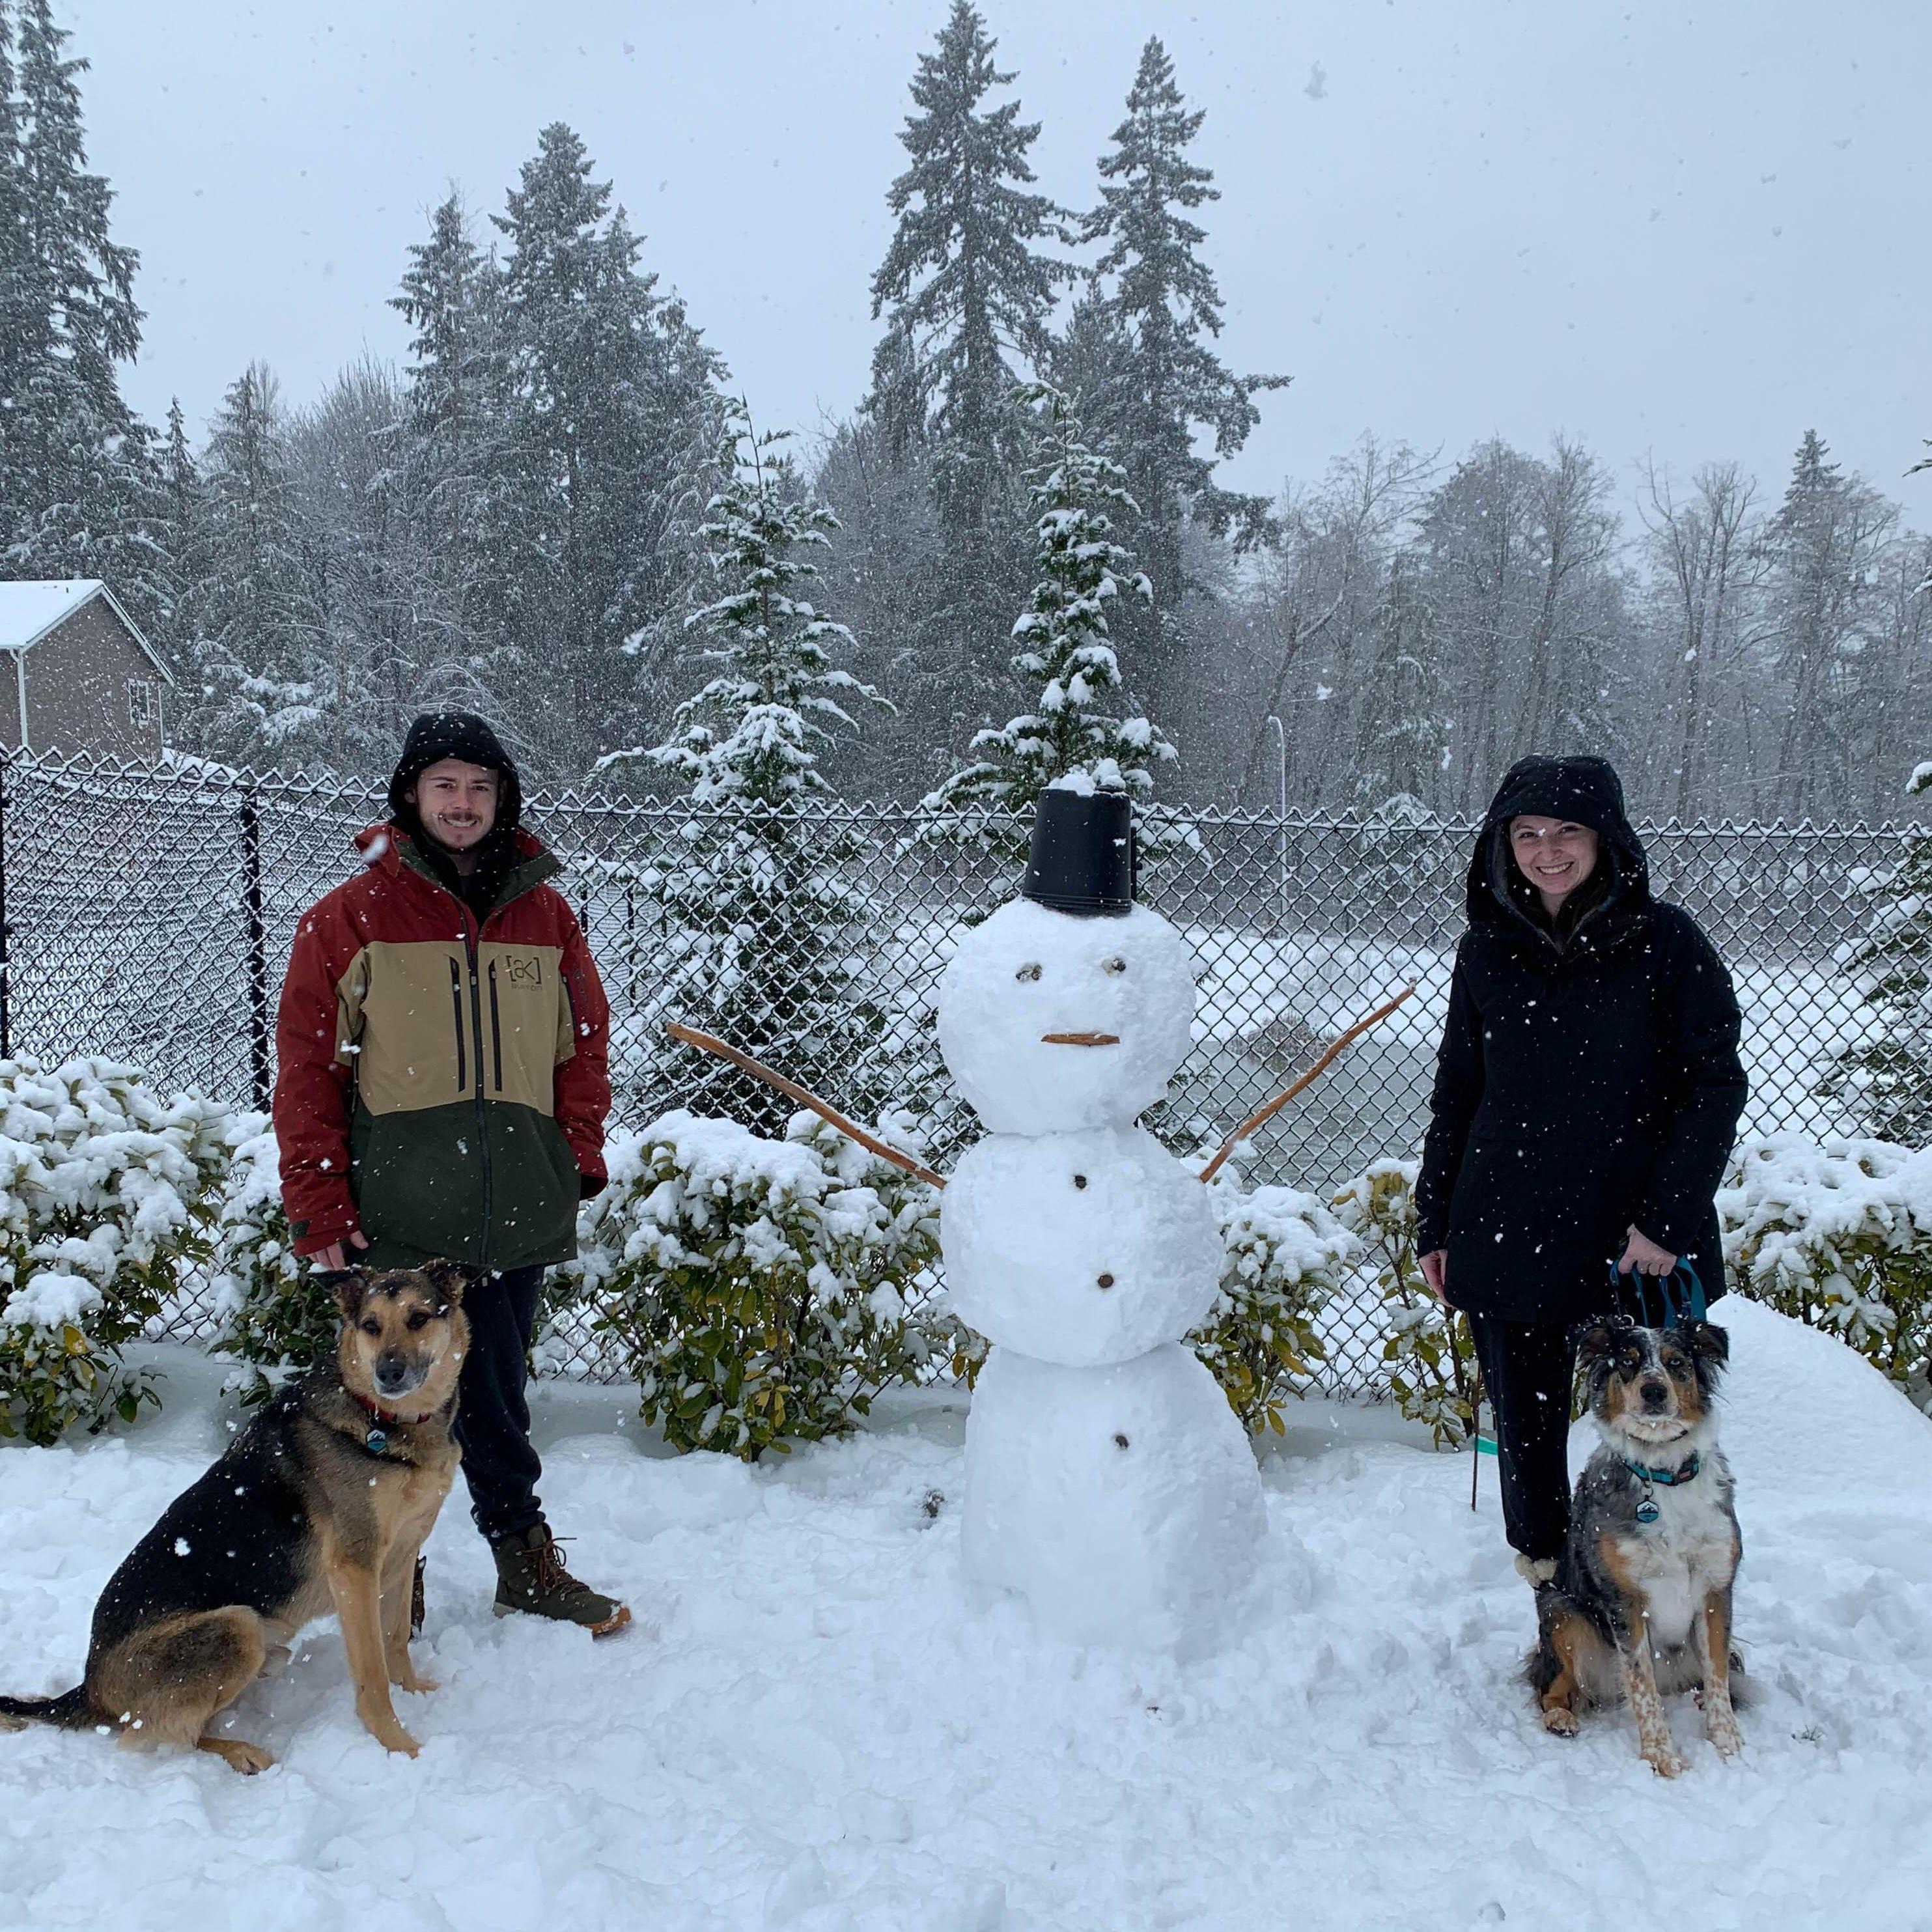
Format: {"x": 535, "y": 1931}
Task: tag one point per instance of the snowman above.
{"x": 1107, "y": 1482}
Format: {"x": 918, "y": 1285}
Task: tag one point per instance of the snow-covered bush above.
{"x": 105, "y": 1193}
{"x": 1287, "y": 1255}
{"x": 762, "y": 1290}
{"x": 1431, "y": 1358}
{"x": 1838, "y": 1233}
{"x": 275, "y": 1315}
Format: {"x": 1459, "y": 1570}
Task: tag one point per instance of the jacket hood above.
{"x": 1588, "y": 792}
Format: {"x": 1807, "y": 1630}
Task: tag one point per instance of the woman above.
{"x": 1587, "y": 1094}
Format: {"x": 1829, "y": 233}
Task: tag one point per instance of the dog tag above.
{"x": 379, "y": 1445}
{"x": 1647, "y": 1511}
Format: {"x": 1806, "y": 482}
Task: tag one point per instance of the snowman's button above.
{"x": 1120, "y": 1442}
{"x": 1080, "y": 1181}
{"x": 1106, "y": 1281}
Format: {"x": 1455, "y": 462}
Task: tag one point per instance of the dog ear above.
{"x": 1598, "y": 1339}
{"x": 449, "y": 1280}
{"x": 1708, "y": 1343}
{"x": 348, "y": 1286}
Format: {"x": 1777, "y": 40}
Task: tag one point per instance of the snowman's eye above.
{"x": 1116, "y": 965}
{"x": 1027, "y": 972}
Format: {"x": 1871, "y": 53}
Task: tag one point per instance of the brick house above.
{"x": 76, "y": 673}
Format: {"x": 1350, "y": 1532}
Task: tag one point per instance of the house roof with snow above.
{"x": 29, "y": 610}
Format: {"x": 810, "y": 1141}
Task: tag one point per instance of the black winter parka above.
{"x": 1588, "y": 1078}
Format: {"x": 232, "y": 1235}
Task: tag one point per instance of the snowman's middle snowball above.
{"x": 1082, "y": 1248}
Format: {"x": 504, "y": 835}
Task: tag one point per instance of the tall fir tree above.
{"x": 452, "y": 438}
{"x": 449, "y": 296}
{"x": 1823, "y": 542}
{"x": 1887, "y": 1077}
{"x": 78, "y": 477}
{"x": 609, "y": 416}
{"x": 762, "y": 908}
{"x": 967, "y": 292}
{"x": 1065, "y": 658}
{"x": 254, "y": 615}
{"x": 1402, "y": 721}
{"x": 1168, "y": 384}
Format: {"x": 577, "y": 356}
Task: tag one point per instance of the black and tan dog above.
{"x": 322, "y": 1502}
{"x": 1641, "y": 1604}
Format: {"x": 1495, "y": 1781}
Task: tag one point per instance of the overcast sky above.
{"x": 1694, "y": 231}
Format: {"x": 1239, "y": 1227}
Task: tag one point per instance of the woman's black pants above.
{"x": 1527, "y": 1370}
{"x": 492, "y": 1419}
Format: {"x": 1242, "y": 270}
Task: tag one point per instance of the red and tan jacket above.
{"x": 442, "y": 1087}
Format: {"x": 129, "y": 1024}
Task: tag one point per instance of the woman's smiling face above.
{"x": 1556, "y": 855}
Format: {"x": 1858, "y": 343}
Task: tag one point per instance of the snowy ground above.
{"x": 810, "y": 1730}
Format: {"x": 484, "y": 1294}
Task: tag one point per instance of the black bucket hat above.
{"x": 1082, "y": 857}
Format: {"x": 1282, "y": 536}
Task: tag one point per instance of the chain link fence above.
{"x": 147, "y": 913}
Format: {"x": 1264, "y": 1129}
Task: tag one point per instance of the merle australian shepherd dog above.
{"x": 1641, "y": 1603}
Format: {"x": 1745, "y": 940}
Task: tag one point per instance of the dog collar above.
{"x": 1647, "y": 1511}
{"x": 1686, "y": 1472}
{"x": 381, "y": 1421}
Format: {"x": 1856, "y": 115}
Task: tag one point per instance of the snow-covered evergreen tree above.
{"x": 451, "y": 296}
{"x": 966, "y": 292}
{"x": 609, "y": 417}
{"x": 253, "y": 616}
{"x": 77, "y": 473}
{"x": 1065, "y": 658}
{"x": 1169, "y": 384}
{"x": 1823, "y": 542}
{"x": 1888, "y": 1076}
{"x": 1403, "y": 717}
{"x": 762, "y": 903}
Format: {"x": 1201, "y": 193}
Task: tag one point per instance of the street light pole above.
{"x": 1281, "y": 806}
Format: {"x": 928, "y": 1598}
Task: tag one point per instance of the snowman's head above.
{"x": 1050, "y": 1022}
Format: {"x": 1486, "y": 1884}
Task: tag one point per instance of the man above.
{"x": 441, "y": 1091}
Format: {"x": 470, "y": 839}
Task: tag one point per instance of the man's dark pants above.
{"x": 492, "y": 1419}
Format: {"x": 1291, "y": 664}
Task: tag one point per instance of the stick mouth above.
{"x": 1080, "y": 1039}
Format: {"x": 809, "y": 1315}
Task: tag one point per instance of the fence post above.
{"x": 6, "y": 952}
{"x": 258, "y": 948}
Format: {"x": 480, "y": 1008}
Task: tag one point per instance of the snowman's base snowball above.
{"x": 1121, "y": 1502}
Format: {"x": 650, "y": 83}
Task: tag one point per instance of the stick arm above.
{"x": 1313, "y": 1074}
{"x": 711, "y": 1043}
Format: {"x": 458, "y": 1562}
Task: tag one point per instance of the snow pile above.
{"x": 760, "y": 1289}
{"x": 1838, "y": 1233}
{"x": 810, "y": 1730}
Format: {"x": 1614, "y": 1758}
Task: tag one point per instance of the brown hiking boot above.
{"x": 531, "y": 1578}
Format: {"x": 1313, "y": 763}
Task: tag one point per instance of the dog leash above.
{"x": 1677, "y": 1304}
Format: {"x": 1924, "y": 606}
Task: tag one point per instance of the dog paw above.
{"x": 1726, "y": 1738}
{"x": 249, "y": 1759}
{"x": 1560, "y": 1722}
{"x": 416, "y": 1685}
{"x": 1666, "y": 1762}
{"x": 401, "y": 1742}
